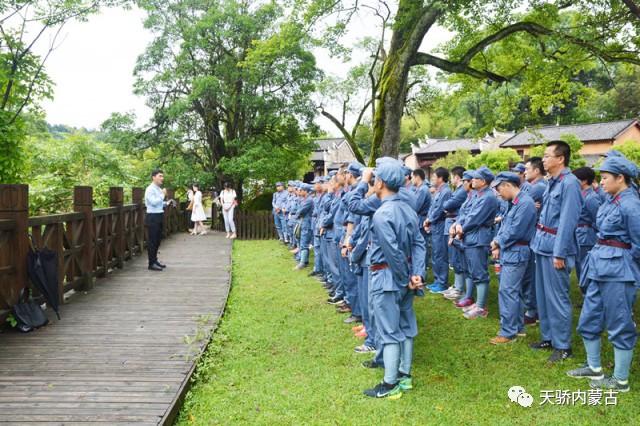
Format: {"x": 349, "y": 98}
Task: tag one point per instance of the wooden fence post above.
{"x": 116, "y": 199}
{"x": 83, "y": 202}
{"x": 137, "y": 195}
{"x": 14, "y": 205}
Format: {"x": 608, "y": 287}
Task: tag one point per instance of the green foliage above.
{"x": 56, "y": 165}
{"x": 11, "y": 148}
{"x": 576, "y": 161}
{"x": 260, "y": 203}
{"x": 459, "y": 158}
{"x": 497, "y": 160}
{"x": 630, "y": 149}
{"x": 230, "y": 82}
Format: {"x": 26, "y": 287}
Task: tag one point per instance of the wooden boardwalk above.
{"x": 124, "y": 351}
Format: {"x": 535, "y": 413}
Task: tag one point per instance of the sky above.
{"x": 92, "y": 67}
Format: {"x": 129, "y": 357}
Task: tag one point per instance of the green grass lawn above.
{"x": 281, "y": 355}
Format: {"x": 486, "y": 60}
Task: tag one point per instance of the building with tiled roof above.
{"x": 329, "y": 155}
{"x": 598, "y": 138}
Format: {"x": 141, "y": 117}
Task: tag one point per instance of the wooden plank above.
{"x": 118, "y": 355}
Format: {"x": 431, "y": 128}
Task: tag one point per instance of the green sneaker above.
{"x": 609, "y": 382}
{"x": 586, "y": 372}
{"x": 405, "y": 382}
{"x": 385, "y": 390}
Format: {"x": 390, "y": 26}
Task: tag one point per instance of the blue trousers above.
{"x": 440, "y": 258}
{"x": 478, "y": 269}
{"x": 529, "y": 288}
{"x": 333, "y": 261}
{"x": 318, "y": 262}
{"x": 510, "y": 299}
{"x": 554, "y": 304}
{"x": 277, "y": 223}
{"x": 609, "y": 305}
{"x": 363, "y": 285}
{"x": 350, "y": 283}
{"x": 284, "y": 228}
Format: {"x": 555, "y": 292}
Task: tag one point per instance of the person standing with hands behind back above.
{"x": 154, "y": 200}
{"x": 228, "y": 198}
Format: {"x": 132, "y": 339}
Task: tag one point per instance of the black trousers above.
{"x": 154, "y": 223}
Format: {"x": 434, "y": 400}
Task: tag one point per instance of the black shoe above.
{"x": 351, "y": 319}
{"x": 322, "y": 279}
{"x": 332, "y": 294}
{"x": 314, "y": 274}
{"x": 327, "y": 286}
{"x": 543, "y": 344}
{"x": 334, "y": 301}
{"x": 155, "y": 267}
{"x": 560, "y": 355}
{"x": 530, "y": 321}
{"x": 371, "y": 364}
{"x": 385, "y": 390}
{"x": 160, "y": 264}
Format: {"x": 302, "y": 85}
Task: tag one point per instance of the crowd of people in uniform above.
{"x": 370, "y": 229}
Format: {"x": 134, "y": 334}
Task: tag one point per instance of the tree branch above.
{"x": 633, "y": 7}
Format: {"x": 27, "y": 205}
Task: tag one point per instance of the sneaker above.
{"x": 335, "y": 301}
{"x": 346, "y": 309}
{"x": 476, "y": 313}
{"x": 322, "y": 279}
{"x": 609, "y": 382}
{"x": 500, "y": 340}
{"x": 432, "y": 285}
{"x": 543, "y": 344}
{"x": 357, "y": 328}
{"x": 560, "y": 355}
{"x": 385, "y": 390}
{"x": 352, "y": 319}
{"x": 371, "y": 364}
{"x": 469, "y": 308}
{"x": 364, "y": 349}
{"x": 327, "y": 286}
{"x": 452, "y": 295}
{"x": 362, "y": 334}
{"x": 463, "y": 303}
{"x": 518, "y": 334}
{"x": 586, "y": 372}
{"x": 438, "y": 289}
{"x": 313, "y": 274}
{"x": 299, "y": 267}
{"x": 530, "y": 321}
{"x": 405, "y": 382}
{"x": 449, "y": 290}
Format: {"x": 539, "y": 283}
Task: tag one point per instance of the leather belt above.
{"x": 613, "y": 243}
{"x": 329, "y": 227}
{"x": 584, "y": 225}
{"x": 547, "y": 230}
{"x": 314, "y": 215}
{"x": 451, "y": 216}
{"x": 522, "y": 243}
{"x": 380, "y": 266}
{"x": 345, "y": 223}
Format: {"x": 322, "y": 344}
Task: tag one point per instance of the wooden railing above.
{"x": 89, "y": 242}
{"x": 249, "y": 225}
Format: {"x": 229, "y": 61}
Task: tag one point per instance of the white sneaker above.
{"x": 476, "y": 313}
{"x": 469, "y": 308}
{"x": 447, "y": 291}
{"x": 453, "y": 295}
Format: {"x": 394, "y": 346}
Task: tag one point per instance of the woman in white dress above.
{"x": 197, "y": 214}
{"x": 228, "y": 199}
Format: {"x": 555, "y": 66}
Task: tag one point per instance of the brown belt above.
{"x": 547, "y": 230}
{"x": 379, "y": 266}
{"x": 451, "y": 216}
{"x": 613, "y": 243}
{"x": 345, "y": 223}
{"x": 329, "y": 227}
{"x": 314, "y": 215}
{"x": 584, "y": 225}
{"x": 522, "y": 243}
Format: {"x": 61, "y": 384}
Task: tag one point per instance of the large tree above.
{"x": 230, "y": 83}
{"x": 556, "y": 28}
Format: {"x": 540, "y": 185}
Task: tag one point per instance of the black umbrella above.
{"x": 42, "y": 267}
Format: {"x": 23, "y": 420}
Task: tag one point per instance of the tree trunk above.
{"x": 413, "y": 21}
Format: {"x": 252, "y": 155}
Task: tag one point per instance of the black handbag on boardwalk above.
{"x": 29, "y": 315}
